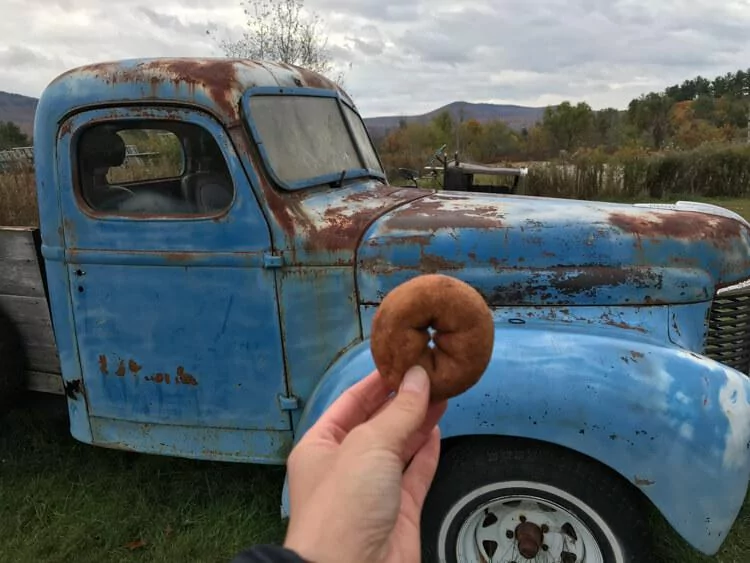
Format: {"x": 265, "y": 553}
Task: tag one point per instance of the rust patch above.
{"x": 361, "y": 197}
{"x": 408, "y": 240}
{"x": 121, "y": 369}
{"x": 216, "y": 77}
{"x": 596, "y": 276}
{"x": 178, "y": 256}
{"x": 636, "y": 355}
{"x": 312, "y": 79}
{"x": 432, "y": 263}
{"x": 134, "y": 367}
{"x": 164, "y": 377}
{"x": 66, "y": 128}
{"x": 432, "y": 214}
{"x": 643, "y": 482}
{"x": 184, "y": 377}
{"x": 545, "y": 283}
{"x": 624, "y": 326}
{"x": 338, "y": 231}
{"x": 342, "y": 226}
{"x": 103, "y": 364}
{"x": 158, "y": 377}
{"x": 685, "y": 225}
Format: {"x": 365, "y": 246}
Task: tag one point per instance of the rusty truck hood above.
{"x": 540, "y": 251}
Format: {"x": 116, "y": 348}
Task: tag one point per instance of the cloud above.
{"x": 411, "y": 56}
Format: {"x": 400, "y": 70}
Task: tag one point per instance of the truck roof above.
{"x": 215, "y": 84}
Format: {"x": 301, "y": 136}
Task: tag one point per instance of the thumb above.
{"x": 405, "y": 414}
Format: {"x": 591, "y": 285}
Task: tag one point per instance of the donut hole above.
{"x": 431, "y": 332}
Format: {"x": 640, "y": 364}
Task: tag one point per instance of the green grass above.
{"x": 63, "y": 501}
{"x": 67, "y": 502}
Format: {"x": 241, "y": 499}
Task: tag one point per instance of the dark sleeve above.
{"x": 268, "y": 554}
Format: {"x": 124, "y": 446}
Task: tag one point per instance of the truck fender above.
{"x": 673, "y": 423}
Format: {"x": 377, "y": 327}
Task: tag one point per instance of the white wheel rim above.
{"x": 557, "y": 534}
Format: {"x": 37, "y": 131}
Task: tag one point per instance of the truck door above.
{"x": 174, "y": 301}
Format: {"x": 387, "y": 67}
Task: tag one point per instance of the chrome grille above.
{"x": 729, "y": 328}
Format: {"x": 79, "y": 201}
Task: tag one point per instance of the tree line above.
{"x": 687, "y": 116}
{"x": 11, "y": 136}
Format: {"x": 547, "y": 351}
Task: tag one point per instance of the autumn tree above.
{"x": 283, "y": 31}
{"x": 11, "y": 136}
{"x": 650, "y": 115}
{"x": 607, "y": 129}
{"x": 444, "y": 126}
{"x": 568, "y": 126}
{"x": 495, "y": 141}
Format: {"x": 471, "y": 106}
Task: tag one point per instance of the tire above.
{"x": 11, "y": 364}
{"x": 591, "y": 514}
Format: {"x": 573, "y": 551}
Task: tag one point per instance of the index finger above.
{"x": 355, "y": 406}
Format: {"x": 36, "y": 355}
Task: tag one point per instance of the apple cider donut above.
{"x": 463, "y": 334}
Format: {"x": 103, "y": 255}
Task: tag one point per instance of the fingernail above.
{"x": 415, "y": 380}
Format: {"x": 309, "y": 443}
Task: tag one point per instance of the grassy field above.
{"x": 62, "y": 501}
{"x": 65, "y": 502}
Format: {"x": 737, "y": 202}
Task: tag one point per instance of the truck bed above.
{"x": 23, "y": 299}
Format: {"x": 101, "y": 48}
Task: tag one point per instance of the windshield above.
{"x": 305, "y": 140}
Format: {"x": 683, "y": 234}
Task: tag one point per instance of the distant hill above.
{"x": 18, "y": 109}
{"x": 516, "y": 117}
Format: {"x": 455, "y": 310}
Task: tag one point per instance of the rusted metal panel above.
{"x": 533, "y": 251}
{"x": 325, "y": 228}
{"x": 215, "y": 360}
{"x": 215, "y": 84}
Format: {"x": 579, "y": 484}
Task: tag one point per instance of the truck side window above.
{"x": 152, "y": 168}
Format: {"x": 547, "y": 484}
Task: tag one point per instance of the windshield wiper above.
{"x": 340, "y": 181}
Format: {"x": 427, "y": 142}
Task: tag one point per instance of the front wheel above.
{"x": 512, "y": 501}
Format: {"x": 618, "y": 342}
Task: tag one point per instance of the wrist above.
{"x": 305, "y": 550}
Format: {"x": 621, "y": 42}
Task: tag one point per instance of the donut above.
{"x": 463, "y": 334}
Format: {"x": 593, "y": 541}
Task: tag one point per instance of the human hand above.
{"x": 358, "y": 478}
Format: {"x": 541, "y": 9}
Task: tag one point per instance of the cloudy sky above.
{"x": 411, "y": 56}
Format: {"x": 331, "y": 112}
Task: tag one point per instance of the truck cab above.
{"x": 211, "y": 293}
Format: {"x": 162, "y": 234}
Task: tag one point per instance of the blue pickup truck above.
{"x": 209, "y": 294}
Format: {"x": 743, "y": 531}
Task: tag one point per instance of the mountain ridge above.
{"x": 20, "y": 110}
{"x": 516, "y": 117}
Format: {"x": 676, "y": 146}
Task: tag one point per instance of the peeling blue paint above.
{"x": 655, "y": 413}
